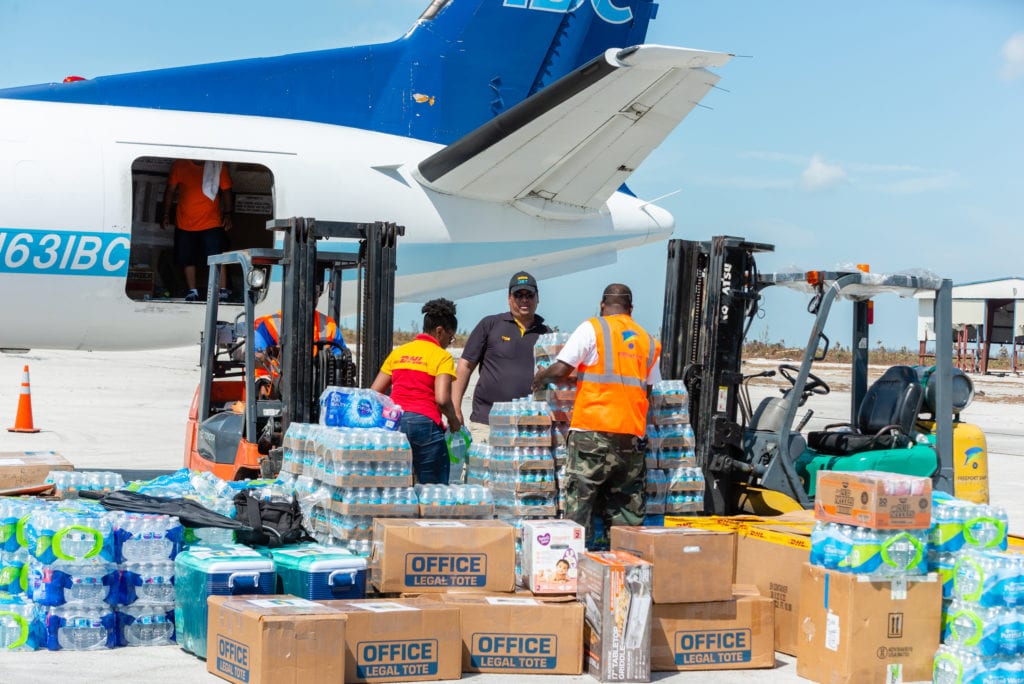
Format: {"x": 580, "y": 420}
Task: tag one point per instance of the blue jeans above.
{"x": 429, "y": 450}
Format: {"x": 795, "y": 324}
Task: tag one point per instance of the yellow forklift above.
{"x": 235, "y": 428}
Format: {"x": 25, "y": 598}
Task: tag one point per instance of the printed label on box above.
{"x": 384, "y": 607}
{"x": 519, "y": 651}
{"x": 409, "y": 658}
{"x": 282, "y": 603}
{"x": 832, "y": 632}
{"x": 232, "y": 658}
{"x": 713, "y": 647}
{"x": 445, "y": 569}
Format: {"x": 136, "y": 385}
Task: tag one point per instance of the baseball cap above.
{"x": 522, "y": 281}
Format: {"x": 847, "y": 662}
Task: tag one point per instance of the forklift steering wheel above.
{"x": 814, "y": 384}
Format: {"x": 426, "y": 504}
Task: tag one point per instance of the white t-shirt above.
{"x": 581, "y": 350}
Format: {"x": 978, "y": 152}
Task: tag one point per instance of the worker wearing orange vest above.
{"x": 267, "y": 339}
{"x": 616, "y": 362}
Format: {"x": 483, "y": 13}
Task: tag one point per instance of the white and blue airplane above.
{"x": 500, "y": 133}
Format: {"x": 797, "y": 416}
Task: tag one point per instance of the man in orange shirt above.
{"x": 203, "y": 218}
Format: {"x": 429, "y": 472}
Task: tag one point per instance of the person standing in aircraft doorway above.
{"x": 205, "y": 205}
{"x": 502, "y": 347}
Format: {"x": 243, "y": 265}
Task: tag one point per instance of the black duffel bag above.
{"x": 268, "y": 523}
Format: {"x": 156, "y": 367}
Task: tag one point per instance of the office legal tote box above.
{"x": 425, "y": 556}
{"x": 318, "y": 572}
{"x": 519, "y": 635}
{"x": 204, "y": 571}
{"x": 274, "y": 639}
{"x": 400, "y": 640}
{"x": 716, "y": 635}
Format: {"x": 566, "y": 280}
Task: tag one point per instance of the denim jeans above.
{"x": 429, "y": 450}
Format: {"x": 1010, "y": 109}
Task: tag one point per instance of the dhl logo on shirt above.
{"x": 413, "y": 360}
{"x": 505, "y": 338}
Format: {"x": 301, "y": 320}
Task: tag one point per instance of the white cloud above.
{"x": 1013, "y": 54}
{"x": 820, "y": 175}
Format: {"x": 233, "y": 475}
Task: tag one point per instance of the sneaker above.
{"x": 192, "y": 296}
{"x": 224, "y": 294}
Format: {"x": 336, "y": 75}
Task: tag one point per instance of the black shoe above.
{"x": 192, "y": 296}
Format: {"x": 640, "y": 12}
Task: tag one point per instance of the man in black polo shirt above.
{"x": 502, "y": 347}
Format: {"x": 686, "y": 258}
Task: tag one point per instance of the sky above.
{"x": 878, "y": 132}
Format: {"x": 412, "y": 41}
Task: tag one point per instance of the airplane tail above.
{"x": 462, "y": 63}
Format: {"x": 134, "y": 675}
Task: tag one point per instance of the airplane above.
{"x": 500, "y": 133}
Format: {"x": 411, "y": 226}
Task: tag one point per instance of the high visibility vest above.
{"x": 611, "y": 395}
{"x": 324, "y": 328}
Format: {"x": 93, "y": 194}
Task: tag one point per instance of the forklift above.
{"x": 757, "y": 459}
{"x": 244, "y": 404}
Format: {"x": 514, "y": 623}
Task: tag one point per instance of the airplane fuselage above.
{"x": 69, "y": 199}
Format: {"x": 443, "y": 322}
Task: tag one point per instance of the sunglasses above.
{"x": 524, "y": 294}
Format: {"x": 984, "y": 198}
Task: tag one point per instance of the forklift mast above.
{"x": 711, "y": 294}
{"x": 217, "y": 432}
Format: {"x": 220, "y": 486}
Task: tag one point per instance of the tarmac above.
{"x": 127, "y": 410}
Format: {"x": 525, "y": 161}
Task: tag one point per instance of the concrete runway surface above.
{"x": 128, "y": 410}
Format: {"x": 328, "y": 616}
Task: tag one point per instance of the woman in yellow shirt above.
{"x": 419, "y": 375}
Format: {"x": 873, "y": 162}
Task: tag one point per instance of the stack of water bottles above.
{"x": 670, "y": 404}
{"x": 68, "y": 483}
{"x": 99, "y": 579}
{"x": 146, "y": 546}
{"x": 17, "y": 610}
{"x": 344, "y": 477}
{"x": 521, "y": 467}
{"x": 72, "y": 576}
{"x": 455, "y": 501}
{"x": 873, "y": 549}
{"x": 983, "y": 594}
{"x": 685, "y": 490}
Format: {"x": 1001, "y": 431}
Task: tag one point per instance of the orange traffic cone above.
{"x": 23, "y": 421}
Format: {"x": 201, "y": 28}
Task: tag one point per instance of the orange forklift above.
{"x": 235, "y": 428}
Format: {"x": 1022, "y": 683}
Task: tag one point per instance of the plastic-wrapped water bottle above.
{"x": 944, "y": 564}
{"x": 985, "y": 528}
{"x": 976, "y": 579}
{"x": 955, "y": 666}
{"x": 972, "y": 628}
{"x": 947, "y": 531}
{"x": 864, "y": 556}
{"x": 80, "y": 628}
{"x": 1011, "y": 633}
{"x": 146, "y": 626}
{"x": 152, "y": 582}
{"x": 902, "y": 553}
{"x": 1010, "y": 578}
{"x": 16, "y": 614}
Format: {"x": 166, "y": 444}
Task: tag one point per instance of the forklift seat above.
{"x": 885, "y": 418}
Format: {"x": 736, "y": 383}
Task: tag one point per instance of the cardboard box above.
{"x": 690, "y": 565}
{"x": 550, "y": 555}
{"x": 400, "y": 640}
{"x": 27, "y": 468}
{"x": 519, "y": 635}
{"x": 874, "y": 499}
{"x": 615, "y": 589}
{"x": 438, "y": 555}
{"x": 771, "y": 555}
{"x": 854, "y": 630}
{"x": 717, "y": 635}
{"x": 274, "y": 639}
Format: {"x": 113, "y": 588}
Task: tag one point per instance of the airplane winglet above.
{"x": 576, "y": 142}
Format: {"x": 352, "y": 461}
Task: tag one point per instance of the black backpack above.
{"x": 274, "y": 523}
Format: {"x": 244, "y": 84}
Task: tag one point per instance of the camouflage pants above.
{"x": 606, "y": 476}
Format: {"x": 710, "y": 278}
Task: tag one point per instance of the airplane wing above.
{"x": 577, "y": 141}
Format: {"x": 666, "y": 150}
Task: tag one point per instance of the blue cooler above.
{"x": 316, "y": 572}
{"x": 204, "y": 571}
